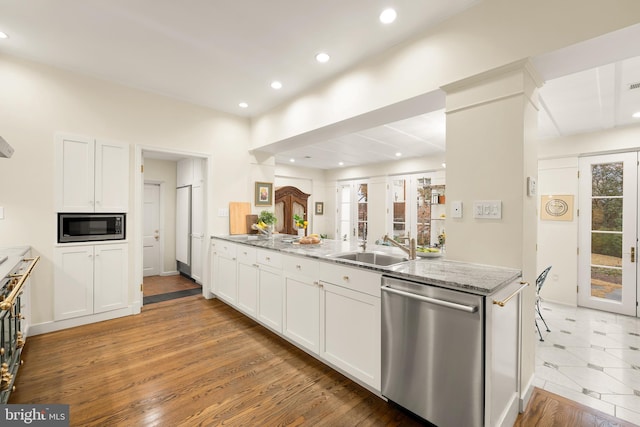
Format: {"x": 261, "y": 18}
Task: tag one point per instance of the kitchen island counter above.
{"x": 472, "y": 278}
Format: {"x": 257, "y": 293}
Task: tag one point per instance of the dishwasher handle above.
{"x": 443, "y": 303}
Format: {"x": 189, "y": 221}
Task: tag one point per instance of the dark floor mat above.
{"x": 171, "y": 295}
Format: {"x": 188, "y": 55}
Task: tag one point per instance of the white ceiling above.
{"x": 217, "y": 53}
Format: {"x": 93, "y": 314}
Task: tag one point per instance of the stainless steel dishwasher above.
{"x": 432, "y": 352}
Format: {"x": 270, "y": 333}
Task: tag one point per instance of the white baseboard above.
{"x": 170, "y": 273}
{"x": 46, "y": 327}
{"x": 526, "y": 395}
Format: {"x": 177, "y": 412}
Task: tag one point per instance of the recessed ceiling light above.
{"x": 243, "y": 105}
{"x": 276, "y": 85}
{"x": 292, "y": 160}
{"x": 3, "y": 35}
{"x": 340, "y": 163}
{"x": 636, "y": 115}
{"x": 322, "y": 57}
{"x": 398, "y": 154}
{"x": 388, "y": 16}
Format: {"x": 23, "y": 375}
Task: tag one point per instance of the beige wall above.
{"x": 38, "y": 101}
{"x": 164, "y": 171}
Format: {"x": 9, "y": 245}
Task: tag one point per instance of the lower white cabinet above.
{"x": 247, "y": 281}
{"x": 350, "y": 316}
{"x": 225, "y": 279}
{"x": 270, "y": 289}
{"x": 90, "y": 279}
{"x": 301, "y": 322}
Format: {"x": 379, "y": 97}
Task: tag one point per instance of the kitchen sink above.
{"x": 375, "y": 258}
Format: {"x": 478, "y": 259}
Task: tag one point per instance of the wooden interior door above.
{"x": 289, "y": 201}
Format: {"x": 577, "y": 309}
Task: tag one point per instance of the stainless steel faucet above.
{"x": 410, "y": 250}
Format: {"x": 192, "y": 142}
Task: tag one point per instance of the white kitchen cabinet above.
{"x": 350, "y": 330}
{"x": 90, "y": 279}
{"x": 225, "y": 274}
{"x": 247, "y": 281}
{"x": 190, "y": 172}
{"x": 502, "y": 356}
{"x": 91, "y": 175}
{"x": 270, "y": 289}
{"x": 301, "y": 321}
{"x": 197, "y": 232}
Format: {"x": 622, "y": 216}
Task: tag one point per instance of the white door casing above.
{"x": 151, "y": 231}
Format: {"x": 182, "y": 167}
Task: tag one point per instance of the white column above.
{"x": 491, "y": 150}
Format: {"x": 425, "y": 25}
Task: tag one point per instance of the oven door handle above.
{"x": 443, "y": 303}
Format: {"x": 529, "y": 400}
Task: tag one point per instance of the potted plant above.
{"x": 267, "y": 219}
{"x": 301, "y": 224}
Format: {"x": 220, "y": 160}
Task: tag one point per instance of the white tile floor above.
{"x": 591, "y": 357}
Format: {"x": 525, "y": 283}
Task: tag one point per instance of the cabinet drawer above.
{"x": 225, "y": 249}
{"x": 351, "y": 278}
{"x": 270, "y": 258}
{"x": 302, "y": 266}
{"x": 246, "y": 254}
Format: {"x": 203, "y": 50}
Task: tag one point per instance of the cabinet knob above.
{"x": 233, "y": 259}
{"x": 298, "y": 266}
{"x": 13, "y": 388}
{"x": 268, "y": 259}
{"x": 345, "y": 278}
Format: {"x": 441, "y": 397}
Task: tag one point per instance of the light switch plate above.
{"x": 456, "y": 209}
{"x": 223, "y": 212}
{"x": 487, "y": 209}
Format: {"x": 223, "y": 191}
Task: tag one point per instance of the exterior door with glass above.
{"x": 608, "y": 221}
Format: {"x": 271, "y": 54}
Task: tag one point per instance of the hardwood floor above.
{"x": 187, "y": 363}
{"x": 199, "y": 362}
{"x": 550, "y": 410}
{"x": 156, "y": 285}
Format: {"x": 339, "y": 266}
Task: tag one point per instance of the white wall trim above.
{"x": 526, "y": 395}
{"x": 170, "y": 273}
{"x": 52, "y": 326}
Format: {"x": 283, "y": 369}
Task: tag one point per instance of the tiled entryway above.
{"x": 591, "y": 357}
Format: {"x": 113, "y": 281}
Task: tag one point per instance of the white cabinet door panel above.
{"x": 74, "y": 157}
{"x": 111, "y": 176}
{"x": 350, "y": 332}
{"x": 302, "y": 312}
{"x": 270, "y": 298}
{"x": 248, "y": 288}
{"x": 73, "y": 282}
{"x": 110, "y": 277}
{"x": 227, "y": 286}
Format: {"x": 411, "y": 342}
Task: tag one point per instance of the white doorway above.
{"x": 608, "y": 221}
{"x": 151, "y": 238}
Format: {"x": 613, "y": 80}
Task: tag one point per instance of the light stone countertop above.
{"x": 477, "y": 279}
{"x": 14, "y": 257}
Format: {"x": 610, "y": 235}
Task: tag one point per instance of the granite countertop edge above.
{"x": 472, "y": 278}
{"x": 14, "y": 256}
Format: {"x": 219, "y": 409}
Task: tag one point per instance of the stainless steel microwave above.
{"x": 90, "y": 227}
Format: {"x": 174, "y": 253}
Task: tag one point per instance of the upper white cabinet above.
{"x": 190, "y": 172}
{"x": 91, "y": 175}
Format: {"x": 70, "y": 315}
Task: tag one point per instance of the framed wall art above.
{"x": 264, "y": 194}
{"x": 556, "y": 207}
